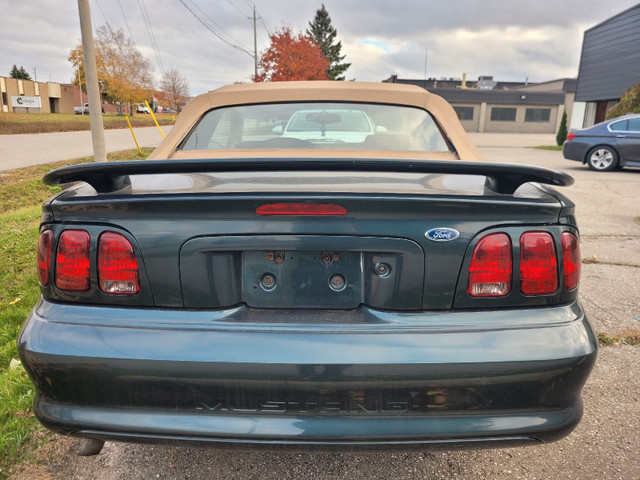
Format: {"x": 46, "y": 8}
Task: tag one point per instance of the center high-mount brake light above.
{"x": 300, "y": 209}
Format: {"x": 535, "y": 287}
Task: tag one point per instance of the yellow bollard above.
{"x": 134, "y": 135}
{"x": 154, "y": 117}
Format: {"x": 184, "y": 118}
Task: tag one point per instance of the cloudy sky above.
{"x": 509, "y": 39}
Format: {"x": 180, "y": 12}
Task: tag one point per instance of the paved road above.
{"x": 34, "y": 149}
{"x": 511, "y": 140}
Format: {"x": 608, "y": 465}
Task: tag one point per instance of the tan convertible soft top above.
{"x": 311, "y": 91}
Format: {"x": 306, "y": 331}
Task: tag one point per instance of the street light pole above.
{"x": 91, "y": 79}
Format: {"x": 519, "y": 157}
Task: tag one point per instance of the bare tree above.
{"x": 175, "y": 88}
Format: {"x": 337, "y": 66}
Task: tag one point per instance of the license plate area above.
{"x": 302, "y": 279}
{"x": 229, "y": 270}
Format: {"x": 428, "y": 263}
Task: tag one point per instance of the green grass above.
{"x": 16, "y": 123}
{"x": 21, "y": 193}
{"x": 18, "y": 293}
{"x": 630, "y": 337}
{"x": 549, "y": 147}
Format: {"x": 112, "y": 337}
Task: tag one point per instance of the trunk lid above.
{"x": 202, "y": 245}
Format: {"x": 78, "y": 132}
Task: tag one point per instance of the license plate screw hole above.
{"x": 337, "y": 283}
{"x": 268, "y": 282}
{"x": 382, "y": 270}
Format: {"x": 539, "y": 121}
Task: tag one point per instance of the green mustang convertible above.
{"x": 363, "y": 281}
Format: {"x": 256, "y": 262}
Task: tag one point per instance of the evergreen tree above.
{"x": 561, "y": 136}
{"x": 19, "y": 73}
{"x": 324, "y": 34}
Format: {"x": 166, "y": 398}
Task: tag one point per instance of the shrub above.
{"x": 561, "y": 136}
{"x": 629, "y": 103}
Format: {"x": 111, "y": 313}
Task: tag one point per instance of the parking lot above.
{"x": 605, "y": 445}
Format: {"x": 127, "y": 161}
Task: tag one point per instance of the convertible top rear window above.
{"x": 317, "y": 125}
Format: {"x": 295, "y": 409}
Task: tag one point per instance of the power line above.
{"x": 154, "y": 44}
{"x": 213, "y": 22}
{"x": 238, "y": 9}
{"x": 126, "y": 22}
{"x": 102, "y": 12}
{"x": 93, "y": 20}
{"x": 265, "y": 25}
{"x": 208, "y": 27}
{"x": 261, "y": 18}
{"x": 261, "y": 40}
{"x": 256, "y": 16}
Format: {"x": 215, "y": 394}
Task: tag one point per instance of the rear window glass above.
{"x": 634, "y": 125}
{"x": 620, "y": 126}
{"x": 317, "y": 125}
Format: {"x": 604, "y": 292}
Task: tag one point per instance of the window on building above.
{"x": 464, "y": 113}
{"x": 537, "y": 115}
{"x": 4, "y": 98}
{"x": 502, "y": 114}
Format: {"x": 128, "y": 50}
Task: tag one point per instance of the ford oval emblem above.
{"x": 442, "y": 234}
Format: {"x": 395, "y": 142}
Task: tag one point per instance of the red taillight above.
{"x": 538, "y": 264}
{"x": 72, "y": 261}
{"x": 570, "y": 136}
{"x": 117, "y": 265}
{"x": 44, "y": 257}
{"x": 491, "y": 267}
{"x": 571, "y": 260}
{"x": 301, "y": 209}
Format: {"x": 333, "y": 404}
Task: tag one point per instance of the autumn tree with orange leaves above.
{"x": 291, "y": 57}
{"x": 124, "y": 74}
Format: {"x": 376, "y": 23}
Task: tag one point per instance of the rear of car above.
{"x": 315, "y": 301}
{"x": 607, "y": 145}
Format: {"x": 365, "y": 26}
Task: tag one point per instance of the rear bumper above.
{"x": 575, "y": 150}
{"x": 376, "y": 380}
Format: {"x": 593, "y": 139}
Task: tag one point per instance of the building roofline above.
{"x": 612, "y": 18}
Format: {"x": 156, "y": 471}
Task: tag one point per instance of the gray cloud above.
{"x": 510, "y": 40}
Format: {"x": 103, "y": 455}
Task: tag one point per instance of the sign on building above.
{"x": 25, "y": 102}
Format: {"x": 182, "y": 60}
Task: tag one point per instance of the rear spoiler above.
{"x": 106, "y": 177}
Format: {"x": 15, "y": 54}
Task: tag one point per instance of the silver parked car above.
{"x": 607, "y": 145}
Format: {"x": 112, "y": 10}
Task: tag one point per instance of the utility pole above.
{"x": 91, "y": 79}
{"x": 426, "y": 50}
{"x": 255, "y": 45}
